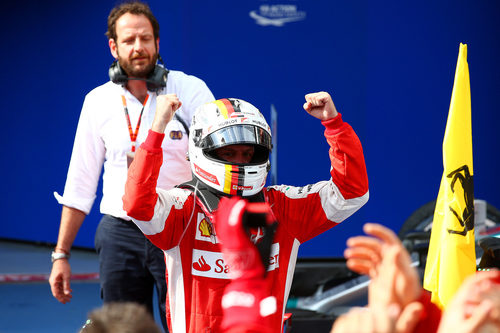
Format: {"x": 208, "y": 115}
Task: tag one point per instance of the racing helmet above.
{"x": 227, "y": 122}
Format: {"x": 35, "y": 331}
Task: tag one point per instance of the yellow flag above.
{"x": 452, "y": 256}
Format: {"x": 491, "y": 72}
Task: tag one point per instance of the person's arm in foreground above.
{"x": 365, "y": 255}
{"x": 246, "y": 302}
{"x": 475, "y": 307}
{"x": 383, "y": 314}
{"x": 394, "y": 282}
{"x": 375, "y": 320}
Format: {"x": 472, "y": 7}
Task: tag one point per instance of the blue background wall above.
{"x": 389, "y": 66}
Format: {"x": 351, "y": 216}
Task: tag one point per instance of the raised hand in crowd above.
{"x": 387, "y": 263}
{"x": 377, "y": 320}
{"x": 365, "y": 255}
{"x": 475, "y": 307}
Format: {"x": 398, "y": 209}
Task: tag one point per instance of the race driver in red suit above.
{"x": 229, "y": 146}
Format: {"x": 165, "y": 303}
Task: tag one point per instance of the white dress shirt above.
{"x": 103, "y": 138}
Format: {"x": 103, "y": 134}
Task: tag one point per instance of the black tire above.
{"x": 419, "y": 219}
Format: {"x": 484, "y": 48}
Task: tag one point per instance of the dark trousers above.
{"x": 130, "y": 266}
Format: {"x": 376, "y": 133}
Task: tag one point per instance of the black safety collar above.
{"x": 210, "y": 197}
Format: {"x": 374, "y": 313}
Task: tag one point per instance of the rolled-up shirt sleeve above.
{"x": 86, "y": 163}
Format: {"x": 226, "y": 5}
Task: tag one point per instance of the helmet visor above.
{"x": 234, "y": 135}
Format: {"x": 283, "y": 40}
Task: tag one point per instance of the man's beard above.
{"x": 140, "y": 72}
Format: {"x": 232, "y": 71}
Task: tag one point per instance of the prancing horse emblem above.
{"x": 467, "y": 217}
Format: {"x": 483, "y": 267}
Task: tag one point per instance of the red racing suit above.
{"x": 177, "y": 222}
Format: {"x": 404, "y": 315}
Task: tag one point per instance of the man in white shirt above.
{"x": 115, "y": 118}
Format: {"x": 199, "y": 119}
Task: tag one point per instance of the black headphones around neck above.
{"x": 156, "y": 81}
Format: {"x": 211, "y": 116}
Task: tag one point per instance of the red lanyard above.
{"x": 133, "y": 135}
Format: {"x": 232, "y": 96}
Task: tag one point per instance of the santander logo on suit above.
{"x": 210, "y": 263}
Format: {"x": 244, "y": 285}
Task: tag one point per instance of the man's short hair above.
{"x": 132, "y": 7}
{"x": 123, "y": 317}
